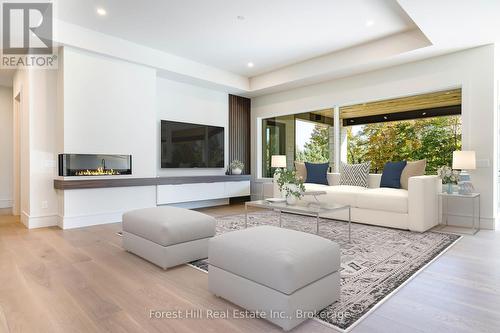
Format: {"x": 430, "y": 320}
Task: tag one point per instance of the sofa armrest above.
{"x": 423, "y": 202}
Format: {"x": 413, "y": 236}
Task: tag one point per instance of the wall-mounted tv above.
{"x": 185, "y": 145}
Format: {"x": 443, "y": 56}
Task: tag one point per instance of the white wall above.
{"x": 37, "y": 141}
{"x": 107, "y": 106}
{"x": 6, "y": 147}
{"x": 187, "y": 103}
{"x": 497, "y": 121}
{"x": 43, "y": 168}
{"x": 21, "y": 87}
{"x": 472, "y": 70}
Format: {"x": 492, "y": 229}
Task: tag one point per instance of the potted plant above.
{"x": 290, "y": 185}
{"x": 236, "y": 167}
{"x": 448, "y": 177}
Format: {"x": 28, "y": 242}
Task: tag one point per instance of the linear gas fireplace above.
{"x": 94, "y": 165}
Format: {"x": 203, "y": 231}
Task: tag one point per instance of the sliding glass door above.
{"x": 274, "y": 143}
{"x": 301, "y": 137}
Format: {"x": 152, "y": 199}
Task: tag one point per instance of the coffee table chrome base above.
{"x": 280, "y": 211}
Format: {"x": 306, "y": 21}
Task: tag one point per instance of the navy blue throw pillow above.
{"x": 391, "y": 176}
{"x": 316, "y": 173}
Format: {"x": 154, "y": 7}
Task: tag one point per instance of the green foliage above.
{"x": 289, "y": 183}
{"x": 317, "y": 149}
{"x": 433, "y": 139}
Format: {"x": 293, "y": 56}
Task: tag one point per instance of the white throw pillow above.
{"x": 354, "y": 174}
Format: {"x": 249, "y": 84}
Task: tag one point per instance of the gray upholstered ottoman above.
{"x": 167, "y": 236}
{"x": 279, "y": 272}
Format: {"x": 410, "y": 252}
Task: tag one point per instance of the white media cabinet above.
{"x": 205, "y": 188}
{"x": 172, "y": 190}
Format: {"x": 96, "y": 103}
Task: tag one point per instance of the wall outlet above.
{"x": 45, "y": 204}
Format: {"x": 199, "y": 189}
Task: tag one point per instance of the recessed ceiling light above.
{"x": 369, "y": 23}
{"x": 101, "y": 11}
{"x": 250, "y": 64}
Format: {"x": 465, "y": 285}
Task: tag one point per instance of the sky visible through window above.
{"x": 303, "y": 132}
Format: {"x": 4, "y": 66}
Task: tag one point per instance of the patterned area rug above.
{"x": 377, "y": 261}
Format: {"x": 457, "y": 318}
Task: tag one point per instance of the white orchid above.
{"x": 448, "y": 175}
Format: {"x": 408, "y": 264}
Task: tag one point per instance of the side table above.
{"x": 475, "y": 198}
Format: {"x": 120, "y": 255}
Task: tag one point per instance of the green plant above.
{"x": 289, "y": 183}
{"x": 237, "y": 164}
{"x": 317, "y": 150}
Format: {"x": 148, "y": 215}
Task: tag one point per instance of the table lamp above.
{"x": 278, "y": 161}
{"x": 464, "y": 160}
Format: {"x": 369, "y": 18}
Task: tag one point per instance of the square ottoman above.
{"x": 285, "y": 274}
{"x": 167, "y": 236}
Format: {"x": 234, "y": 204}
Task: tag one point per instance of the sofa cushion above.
{"x": 300, "y": 170}
{"x": 168, "y": 225}
{"x": 316, "y": 173}
{"x": 384, "y": 198}
{"x": 354, "y": 174}
{"x": 412, "y": 169}
{"x": 342, "y": 194}
{"x": 281, "y": 259}
{"x": 391, "y": 176}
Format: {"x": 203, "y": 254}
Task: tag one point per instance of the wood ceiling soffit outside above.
{"x": 411, "y": 103}
{"x": 324, "y": 113}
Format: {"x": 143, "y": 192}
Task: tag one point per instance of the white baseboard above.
{"x": 5, "y": 203}
{"x": 33, "y": 222}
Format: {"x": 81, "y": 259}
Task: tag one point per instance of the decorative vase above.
{"x": 236, "y": 171}
{"x": 291, "y": 200}
{"x": 449, "y": 188}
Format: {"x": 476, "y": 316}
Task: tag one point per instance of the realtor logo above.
{"x": 27, "y": 30}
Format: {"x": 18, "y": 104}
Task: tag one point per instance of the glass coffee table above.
{"x": 302, "y": 208}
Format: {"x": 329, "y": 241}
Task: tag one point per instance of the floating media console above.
{"x": 172, "y": 189}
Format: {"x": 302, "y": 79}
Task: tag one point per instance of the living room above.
{"x": 152, "y": 167}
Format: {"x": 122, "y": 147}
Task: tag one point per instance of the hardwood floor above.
{"x": 82, "y": 281}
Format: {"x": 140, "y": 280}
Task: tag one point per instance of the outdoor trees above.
{"x": 316, "y": 150}
{"x": 434, "y": 139}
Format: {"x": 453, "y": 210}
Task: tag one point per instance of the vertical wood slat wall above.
{"x": 239, "y": 130}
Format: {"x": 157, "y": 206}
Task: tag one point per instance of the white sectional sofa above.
{"x": 415, "y": 209}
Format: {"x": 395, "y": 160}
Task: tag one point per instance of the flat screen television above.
{"x": 185, "y": 145}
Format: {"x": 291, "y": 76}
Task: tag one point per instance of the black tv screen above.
{"x": 185, "y": 145}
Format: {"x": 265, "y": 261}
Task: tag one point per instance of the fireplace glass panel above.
{"x": 94, "y": 165}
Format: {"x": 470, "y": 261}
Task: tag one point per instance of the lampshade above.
{"x": 464, "y": 160}
{"x": 278, "y": 161}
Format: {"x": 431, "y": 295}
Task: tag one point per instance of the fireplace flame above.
{"x": 97, "y": 172}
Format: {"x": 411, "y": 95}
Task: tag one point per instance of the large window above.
{"x": 425, "y": 126}
{"x": 301, "y": 137}
{"x": 433, "y": 139}
{"x": 312, "y": 141}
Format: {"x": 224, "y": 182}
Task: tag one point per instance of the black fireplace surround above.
{"x": 94, "y": 165}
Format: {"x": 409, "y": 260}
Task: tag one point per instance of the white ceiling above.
{"x": 273, "y": 33}
{"x": 291, "y": 42}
